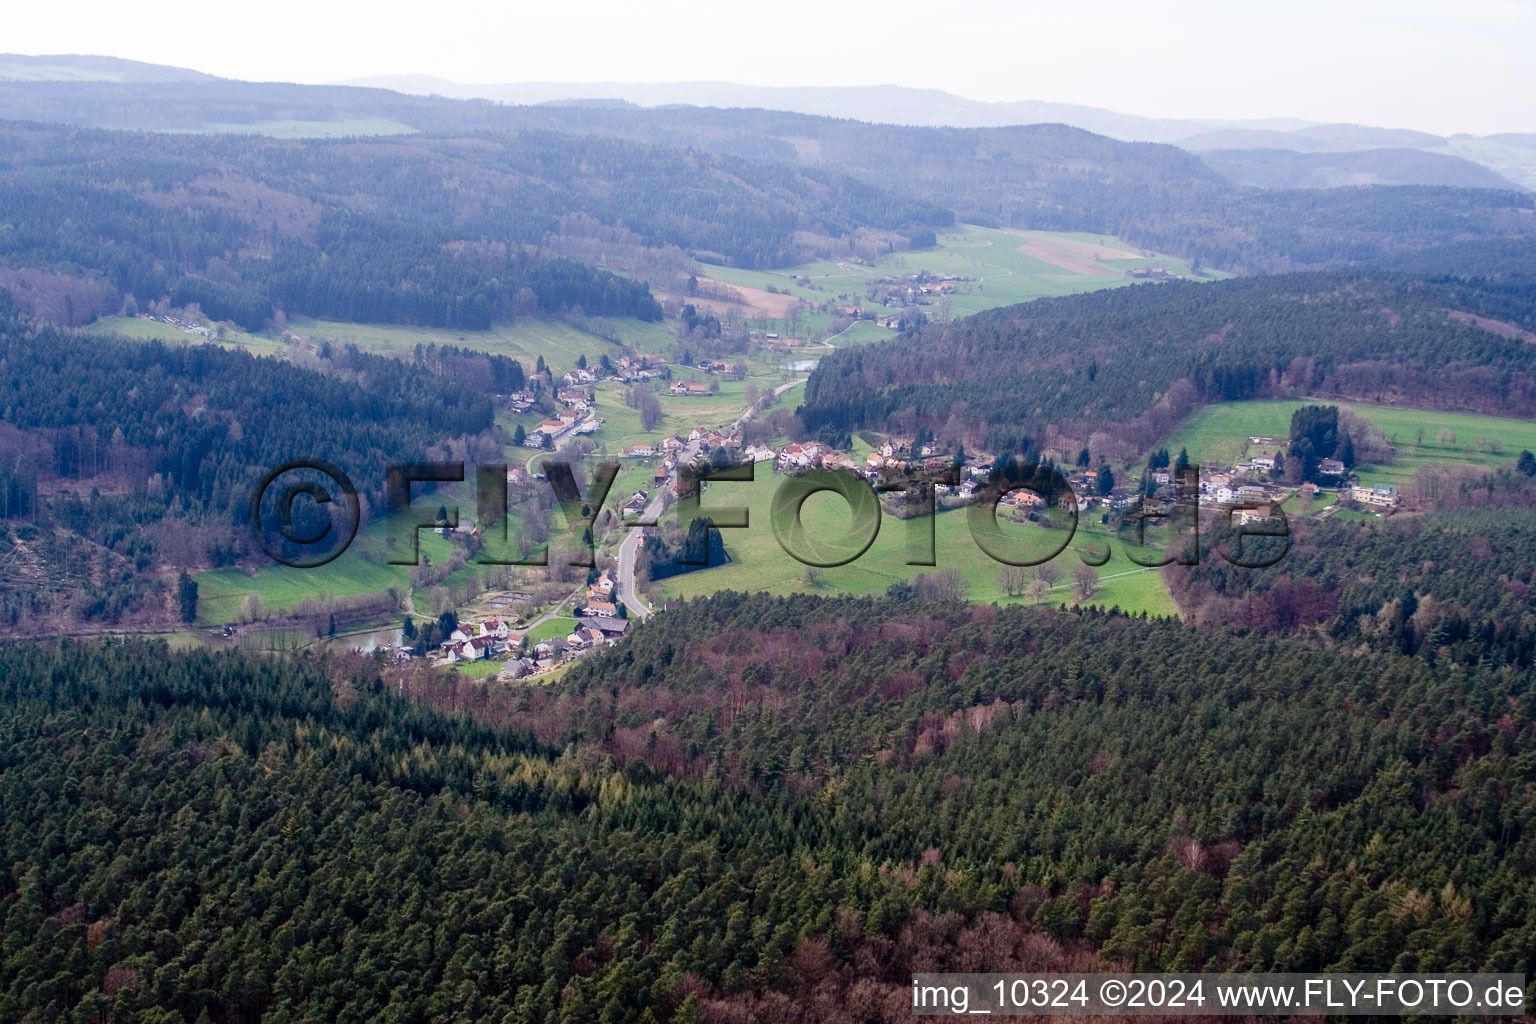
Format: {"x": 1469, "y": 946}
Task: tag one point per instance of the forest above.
{"x": 886, "y": 177}
{"x": 1132, "y": 362}
{"x": 1451, "y": 585}
{"x": 438, "y": 231}
{"x": 756, "y": 809}
{"x": 141, "y": 433}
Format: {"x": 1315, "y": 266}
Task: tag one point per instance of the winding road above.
{"x": 629, "y": 550}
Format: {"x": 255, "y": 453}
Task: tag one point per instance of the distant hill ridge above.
{"x": 73, "y": 67}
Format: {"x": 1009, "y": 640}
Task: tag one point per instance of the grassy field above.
{"x": 998, "y": 269}
{"x": 759, "y": 563}
{"x": 154, "y": 330}
{"x": 360, "y": 569}
{"x": 558, "y": 342}
{"x": 1218, "y": 434}
{"x": 559, "y": 625}
{"x": 484, "y": 669}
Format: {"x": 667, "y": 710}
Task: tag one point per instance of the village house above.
{"x": 1384, "y": 496}
{"x": 801, "y": 456}
{"x": 519, "y": 668}
{"x": 610, "y": 627}
{"x": 473, "y": 649}
{"x": 687, "y": 387}
{"x": 1330, "y": 467}
{"x": 1021, "y": 498}
{"x": 598, "y": 607}
{"x": 603, "y": 587}
{"x": 638, "y": 451}
{"x": 584, "y": 638}
{"x": 837, "y": 461}
{"x": 1244, "y": 516}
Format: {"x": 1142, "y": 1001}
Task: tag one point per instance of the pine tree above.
{"x": 186, "y": 594}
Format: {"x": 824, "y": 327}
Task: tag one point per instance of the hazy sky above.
{"x": 1440, "y": 66}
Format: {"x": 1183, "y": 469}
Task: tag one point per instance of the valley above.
{"x": 713, "y": 554}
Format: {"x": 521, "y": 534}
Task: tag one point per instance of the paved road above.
{"x": 629, "y": 550}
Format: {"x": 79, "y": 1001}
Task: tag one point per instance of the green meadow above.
{"x": 998, "y": 272}
{"x": 558, "y": 342}
{"x": 1218, "y": 434}
{"x": 759, "y": 563}
{"x": 361, "y": 569}
{"x": 154, "y": 330}
{"x": 554, "y": 626}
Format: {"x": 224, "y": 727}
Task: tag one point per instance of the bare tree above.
{"x": 1012, "y": 579}
{"x": 1037, "y": 591}
{"x": 947, "y": 585}
{"x": 1085, "y": 582}
{"x": 1050, "y": 572}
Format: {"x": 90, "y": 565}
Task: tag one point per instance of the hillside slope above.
{"x": 1129, "y": 363}
{"x": 1036, "y": 176}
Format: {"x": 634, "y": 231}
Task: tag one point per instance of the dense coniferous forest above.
{"x": 755, "y": 809}
{"x": 1131, "y": 362}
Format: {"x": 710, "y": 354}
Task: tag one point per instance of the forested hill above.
{"x": 1055, "y": 177}
{"x": 756, "y": 809}
{"x": 1131, "y": 362}
{"x": 1032, "y": 176}
{"x": 1452, "y": 585}
{"x": 202, "y": 423}
{"x": 118, "y": 457}
{"x": 451, "y": 231}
